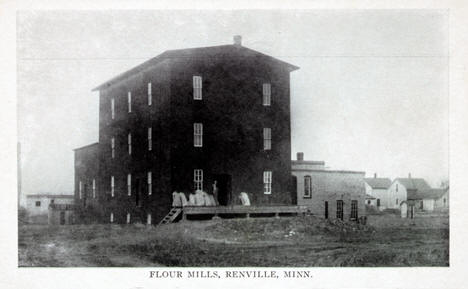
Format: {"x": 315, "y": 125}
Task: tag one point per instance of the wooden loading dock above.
{"x": 219, "y": 211}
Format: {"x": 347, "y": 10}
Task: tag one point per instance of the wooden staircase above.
{"x": 171, "y": 216}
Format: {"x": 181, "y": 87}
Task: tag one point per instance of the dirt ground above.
{"x": 288, "y": 241}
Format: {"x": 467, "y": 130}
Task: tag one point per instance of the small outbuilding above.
{"x": 334, "y": 194}
{"x": 37, "y": 206}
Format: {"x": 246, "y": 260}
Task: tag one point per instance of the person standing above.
{"x": 215, "y": 192}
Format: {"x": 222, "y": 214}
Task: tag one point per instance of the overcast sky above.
{"x": 371, "y": 93}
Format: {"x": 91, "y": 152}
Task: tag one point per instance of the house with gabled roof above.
{"x": 430, "y": 200}
{"x": 403, "y": 189}
{"x": 376, "y": 190}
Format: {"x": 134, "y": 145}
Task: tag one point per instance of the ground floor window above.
{"x": 396, "y": 202}
{"x": 128, "y": 218}
{"x": 150, "y": 188}
{"x": 354, "y": 210}
{"x": 267, "y": 179}
{"x": 378, "y": 202}
{"x": 112, "y": 217}
{"x": 339, "y": 209}
{"x": 198, "y": 179}
{"x": 148, "y": 219}
{"x": 38, "y": 204}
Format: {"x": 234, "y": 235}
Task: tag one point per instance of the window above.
{"x": 198, "y": 179}
{"x": 113, "y": 147}
{"x": 368, "y": 202}
{"x": 397, "y": 201}
{"x": 52, "y": 201}
{"x": 129, "y": 101}
{"x": 129, "y": 184}
{"x": 150, "y": 136}
{"x": 197, "y": 134}
{"x": 266, "y": 94}
{"x": 113, "y": 108}
{"x": 129, "y": 143}
{"x": 378, "y": 202}
{"x": 354, "y": 210}
{"x": 150, "y": 94}
{"x": 80, "y": 188}
{"x": 112, "y": 186}
{"x": 128, "y": 218}
{"x": 397, "y": 187}
{"x": 148, "y": 219}
{"x": 339, "y": 209}
{"x": 267, "y": 138}
{"x": 267, "y": 182}
{"x": 150, "y": 182}
{"x": 307, "y": 186}
{"x": 38, "y": 203}
{"x": 445, "y": 202}
{"x": 94, "y": 188}
{"x": 112, "y": 217}
{"x": 197, "y": 87}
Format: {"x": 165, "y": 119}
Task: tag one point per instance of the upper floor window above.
{"x": 94, "y": 188}
{"x": 80, "y": 189}
{"x": 150, "y": 94}
{"x": 113, "y": 147}
{"x": 129, "y": 96}
{"x": 113, "y": 108}
{"x": 198, "y": 134}
{"x": 197, "y": 87}
{"x": 267, "y": 138}
{"x": 266, "y": 94}
{"x": 112, "y": 186}
{"x": 129, "y": 143}
{"x": 198, "y": 179}
{"x": 267, "y": 180}
{"x": 307, "y": 186}
{"x": 150, "y": 138}
{"x": 150, "y": 184}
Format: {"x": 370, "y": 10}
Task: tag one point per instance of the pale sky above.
{"x": 371, "y": 93}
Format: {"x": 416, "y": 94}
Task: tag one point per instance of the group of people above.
{"x": 199, "y": 198}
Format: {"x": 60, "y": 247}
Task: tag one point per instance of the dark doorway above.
{"x": 326, "y": 210}
{"x": 138, "y": 192}
{"x": 294, "y": 190}
{"x": 62, "y": 218}
{"x": 223, "y": 182}
{"x": 354, "y": 210}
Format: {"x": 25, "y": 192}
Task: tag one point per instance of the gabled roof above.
{"x": 433, "y": 194}
{"x": 378, "y": 183}
{"x": 199, "y": 52}
{"x": 414, "y": 184}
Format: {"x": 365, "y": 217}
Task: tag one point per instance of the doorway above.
{"x": 326, "y": 210}
{"x": 62, "y": 218}
{"x": 223, "y": 182}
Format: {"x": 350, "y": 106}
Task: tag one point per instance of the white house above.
{"x": 403, "y": 189}
{"x": 433, "y": 200}
{"x": 377, "y": 188}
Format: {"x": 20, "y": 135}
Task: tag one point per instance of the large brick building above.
{"x": 180, "y": 122}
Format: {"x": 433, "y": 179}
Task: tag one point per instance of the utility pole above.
{"x": 18, "y": 159}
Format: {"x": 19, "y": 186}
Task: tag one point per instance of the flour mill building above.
{"x": 180, "y": 122}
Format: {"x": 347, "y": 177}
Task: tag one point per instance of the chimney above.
{"x": 409, "y": 175}
{"x": 237, "y": 40}
{"x": 300, "y": 156}
{"x": 375, "y": 175}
